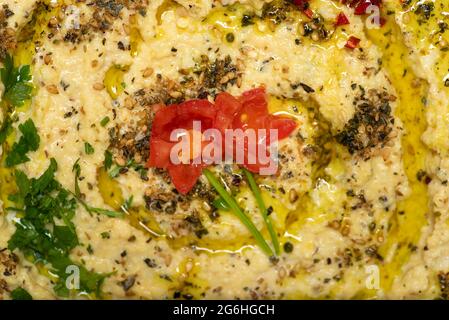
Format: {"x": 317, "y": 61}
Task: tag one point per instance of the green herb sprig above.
{"x": 232, "y": 204}
{"x": 29, "y": 141}
{"x": 17, "y": 82}
{"x": 256, "y": 191}
{"x": 45, "y": 232}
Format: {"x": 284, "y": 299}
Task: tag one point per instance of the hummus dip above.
{"x": 359, "y": 204}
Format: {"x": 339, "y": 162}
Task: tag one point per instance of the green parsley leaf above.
{"x": 131, "y": 164}
{"x": 107, "y": 159}
{"x": 16, "y": 82}
{"x": 20, "y": 294}
{"x": 77, "y": 169}
{"x": 29, "y": 141}
{"x": 5, "y": 129}
{"x": 45, "y": 232}
{"x": 88, "y": 148}
{"x": 104, "y": 121}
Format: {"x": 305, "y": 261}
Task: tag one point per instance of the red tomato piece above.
{"x": 184, "y": 176}
{"x": 284, "y": 126}
{"x": 195, "y": 110}
{"x": 159, "y": 153}
{"x": 164, "y": 117}
{"x": 227, "y": 108}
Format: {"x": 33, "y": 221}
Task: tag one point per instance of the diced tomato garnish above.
{"x": 159, "y": 153}
{"x": 227, "y": 107}
{"x": 184, "y": 176}
{"x": 341, "y": 20}
{"x": 249, "y": 111}
{"x": 283, "y": 125}
{"x": 352, "y": 42}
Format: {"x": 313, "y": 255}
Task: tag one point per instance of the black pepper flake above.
{"x": 150, "y": 263}
{"x": 128, "y": 283}
{"x": 306, "y": 88}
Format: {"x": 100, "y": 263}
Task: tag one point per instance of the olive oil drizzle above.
{"x": 410, "y": 214}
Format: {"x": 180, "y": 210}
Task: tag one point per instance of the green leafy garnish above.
{"x": 45, "y": 233}
{"x": 16, "y": 81}
{"x": 88, "y": 148}
{"x": 107, "y": 160}
{"x": 256, "y": 191}
{"x": 77, "y": 169}
{"x": 29, "y": 141}
{"x": 20, "y": 294}
{"x": 131, "y": 164}
{"x": 230, "y": 201}
{"x": 104, "y": 121}
{"x": 5, "y": 129}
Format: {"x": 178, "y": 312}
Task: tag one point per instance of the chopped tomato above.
{"x": 341, "y": 20}
{"x": 249, "y": 111}
{"x": 352, "y": 42}
{"x": 283, "y": 125}
{"x": 184, "y": 176}
{"x": 159, "y": 153}
{"x": 227, "y": 107}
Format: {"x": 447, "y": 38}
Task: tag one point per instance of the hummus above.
{"x": 360, "y": 203}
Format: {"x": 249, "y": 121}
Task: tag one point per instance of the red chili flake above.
{"x": 352, "y": 42}
{"x": 341, "y": 19}
{"x": 382, "y": 21}
{"x": 308, "y": 13}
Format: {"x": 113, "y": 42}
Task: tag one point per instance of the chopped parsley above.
{"x": 104, "y": 121}
{"x": 107, "y": 160}
{"x": 131, "y": 164}
{"x": 5, "y": 129}
{"x": 88, "y": 148}
{"x": 20, "y": 294}
{"x": 29, "y": 141}
{"x": 45, "y": 232}
{"x": 17, "y": 82}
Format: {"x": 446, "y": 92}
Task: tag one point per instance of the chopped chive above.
{"x": 238, "y": 212}
{"x": 220, "y": 204}
{"x": 256, "y": 191}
